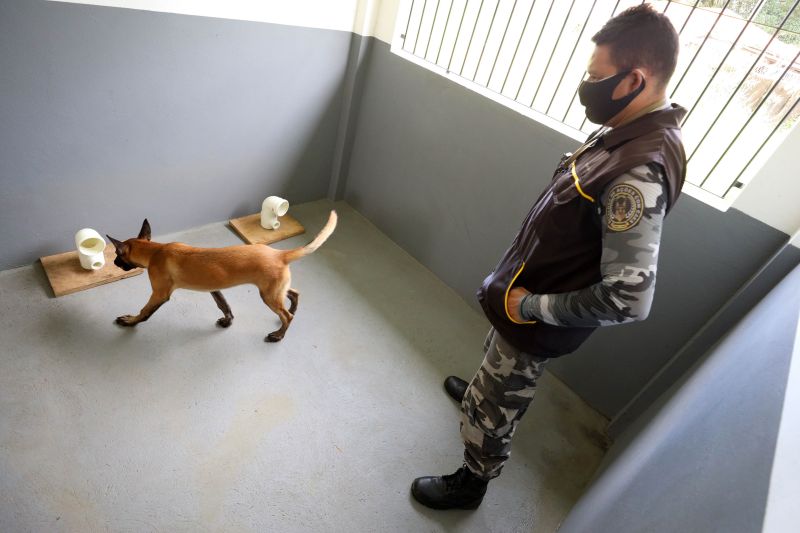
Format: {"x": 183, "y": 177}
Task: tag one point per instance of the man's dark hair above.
{"x": 641, "y": 37}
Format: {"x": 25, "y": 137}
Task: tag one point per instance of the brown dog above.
{"x": 179, "y": 266}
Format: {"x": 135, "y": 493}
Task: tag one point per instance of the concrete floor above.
{"x": 181, "y": 426}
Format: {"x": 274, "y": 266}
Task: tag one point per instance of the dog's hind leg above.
{"x": 294, "y": 296}
{"x": 226, "y": 320}
{"x": 275, "y": 302}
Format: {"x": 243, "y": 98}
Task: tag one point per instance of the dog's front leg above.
{"x": 157, "y": 299}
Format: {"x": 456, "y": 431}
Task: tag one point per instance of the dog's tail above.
{"x": 297, "y": 253}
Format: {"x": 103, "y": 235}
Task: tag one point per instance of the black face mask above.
{"x": 596, "y": 97}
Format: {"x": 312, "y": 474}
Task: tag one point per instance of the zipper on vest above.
{"x": 578, "y": 183}
{"x": 505, "y": 302}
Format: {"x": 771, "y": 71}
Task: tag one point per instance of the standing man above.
{"x": 587, "y": 251}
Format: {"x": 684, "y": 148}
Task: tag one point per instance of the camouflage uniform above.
{"x": 504, "y": 386}
{"x": 494, "y": 402}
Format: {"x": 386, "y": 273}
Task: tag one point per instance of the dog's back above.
{"x": 208, "y": 269}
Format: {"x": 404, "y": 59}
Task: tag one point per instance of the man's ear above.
{"x": 639, "y": 78}
{"x": 144, "y": 233}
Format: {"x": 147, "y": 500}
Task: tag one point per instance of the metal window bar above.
{"x": 722, "y": 62}
{"x": 571, "y": 55}
{"x": 444, "y": 30}
{"x": 458, "y": 34}
{"x": 741, "y": 83}
{"x": 685, "y": 22}
{"x": 502, "y": 42}
{"x": 516, "y": 49}
{"x": 419, "y": 30}
{"x": 713, "y": 10}
{"x": 736, "y": 183}
{"x": 552, "y": 53}
{"x": 699, "y": 49}
{"x": 430, "y": 35}
{"x": 575, "y": 94}
{"x": 408, "y": 23}
{"x": 486, "y": 41}
{"x": 752, "y": 115}
{"x": 505, "y": 64}
{"x": 535, "y": 47}
{"x": 466, "y": 53}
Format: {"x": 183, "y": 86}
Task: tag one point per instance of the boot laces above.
{"x": 455, "y": 480}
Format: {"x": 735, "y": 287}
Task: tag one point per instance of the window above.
{"x": 738, "y": 73}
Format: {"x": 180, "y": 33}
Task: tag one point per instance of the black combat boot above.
{"x": 461, "y": 490}
{"x": 455, "y": 387}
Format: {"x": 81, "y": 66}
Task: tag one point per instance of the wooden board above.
{"x": 66, "y": 275}
{"x": 249, "y": 228}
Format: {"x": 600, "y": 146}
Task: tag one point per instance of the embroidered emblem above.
{"x": 626, "y": 207}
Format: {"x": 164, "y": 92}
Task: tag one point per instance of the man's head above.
{"x": 639, "y": 48}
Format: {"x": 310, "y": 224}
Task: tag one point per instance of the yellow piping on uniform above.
{"x": 506, "y": 299}
{"x": 578, "y": 184}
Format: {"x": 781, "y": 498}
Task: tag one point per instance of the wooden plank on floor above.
{"x": 250, "y": 230}
{"x": 66, "y": 275}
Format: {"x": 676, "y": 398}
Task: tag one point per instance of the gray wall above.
{"x": 449, "y": 174}
{"x": 111, "y": 115}
{"x": 702, "y": 457}
{"x": 745, "y": 299}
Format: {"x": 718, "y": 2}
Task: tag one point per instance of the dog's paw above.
{"x": 224, "y": 322}
{"x": 273, "y": 337}
{"x": 126, "y": 320}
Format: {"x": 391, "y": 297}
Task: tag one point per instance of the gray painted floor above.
{"x": 181, "y": 426}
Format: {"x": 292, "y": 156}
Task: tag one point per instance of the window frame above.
{"x": 721, "y": 203}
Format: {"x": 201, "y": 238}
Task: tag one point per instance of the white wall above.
{"x": 365, "y": 17}
{"x": 382, "y": 14}
{"x": 326, "y": 14}
{"x": 773, "y": 196}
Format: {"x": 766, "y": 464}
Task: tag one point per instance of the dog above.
{"x": 179, "y": 266}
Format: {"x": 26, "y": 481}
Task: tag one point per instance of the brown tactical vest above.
{"x": 559, "y": 245}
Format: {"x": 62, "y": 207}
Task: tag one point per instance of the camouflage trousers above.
{"x": 494, "y": 403}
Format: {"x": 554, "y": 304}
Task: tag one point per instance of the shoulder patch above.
{"x": 625, "y": 207}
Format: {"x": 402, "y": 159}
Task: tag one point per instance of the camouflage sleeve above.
{"x": 635, "y": 205}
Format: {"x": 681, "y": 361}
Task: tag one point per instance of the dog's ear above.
{"x": 144, "y": 233}
{"x": 119, "y": 245}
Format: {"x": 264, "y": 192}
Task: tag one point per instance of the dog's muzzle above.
{"x": 123, "y": 265}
